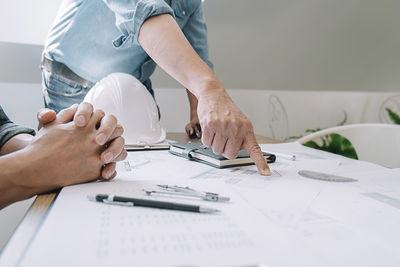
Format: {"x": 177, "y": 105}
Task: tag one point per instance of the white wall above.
{"x": 329, "y": 45}
{"x": 27, "y": 22}
{"x": 270, "y": 44}
{"x": 21, "y": 102}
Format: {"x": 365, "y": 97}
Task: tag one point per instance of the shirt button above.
{"x": 184, "y": 12}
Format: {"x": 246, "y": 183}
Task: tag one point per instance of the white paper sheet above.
{"x": 159, "y": 165}
{"x": 106, "y": 235}
{"x": 282, "y": 220}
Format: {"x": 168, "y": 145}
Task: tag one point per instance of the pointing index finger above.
{"x": 251, "y": 146}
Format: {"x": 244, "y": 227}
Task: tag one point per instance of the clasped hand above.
{"x": 88, "y": 142}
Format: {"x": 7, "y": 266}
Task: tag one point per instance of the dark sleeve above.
{"x": 8, "y": 129}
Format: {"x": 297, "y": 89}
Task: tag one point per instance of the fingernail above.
{"x": 108, "y": 157}
{"x": 41, "y": 113}
{"x": 80, "y": 120}
{"x": 101, "y": 139}
{"x": 266, "y": 172}
{"x": 110, "y": 174}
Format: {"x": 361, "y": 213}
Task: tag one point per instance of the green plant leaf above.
{"x": 313, "y": 130}
{"x": 393, "y": 116}
{"x": 312, "y": 144}
{"x": 335, "y": 143}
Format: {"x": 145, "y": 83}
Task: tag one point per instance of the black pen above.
{"x": 127, "y": 201}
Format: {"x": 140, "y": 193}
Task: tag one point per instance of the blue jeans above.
{"x": 60, "y": 93}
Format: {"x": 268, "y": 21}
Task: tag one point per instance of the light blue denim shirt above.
{"x": 97, "y": 37}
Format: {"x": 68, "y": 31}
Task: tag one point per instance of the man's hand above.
{"x": 193, "y": 129}
{"x": 109, "y": 133}
{"x": 226, "y": 129}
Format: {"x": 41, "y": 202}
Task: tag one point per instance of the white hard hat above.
{"x": 128, "y": 99}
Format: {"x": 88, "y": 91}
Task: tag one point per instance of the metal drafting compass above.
{"x": 186, "y": 191}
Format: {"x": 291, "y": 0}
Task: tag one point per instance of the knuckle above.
{"x": 112, "y": 118}
{"x": 240, "y": 125}
{"x": 63, "y": 111}
{"x": 109, "y": 123}
{"x": 86, "y": 105}
{"x": 247, "y": 124}
{"x": 122, "y": 140}
{"x": 225, "y": 124}
{"x": 99, "y": 112}
{"x": 120, "y": 129}
{"x": 255, "y": 149}
{"x": 235, "y": 127}
{"x": 211, "y": 124}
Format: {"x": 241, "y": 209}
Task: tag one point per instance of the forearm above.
{"x": 224, "y": 127}
{"x": 15, "y": 169}
{"x": 163, "y": 40}
{"x": 193, "y": 105}
{"x": 16, "y": 143}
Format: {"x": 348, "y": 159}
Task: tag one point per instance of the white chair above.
{"x": 374, "y": 142}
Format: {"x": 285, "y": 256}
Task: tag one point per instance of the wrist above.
{"x": 26, "y": 161}
{"x": 32, "y": 171}
{"x": 194, "y": 118}
{"x": 208, "y": 86}
{"x": 193, "y": 114}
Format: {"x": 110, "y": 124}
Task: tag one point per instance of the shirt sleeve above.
{"x": 195, "y": 31}
{"x": 8, "y": 129}
{"x": 131, "y": 14}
